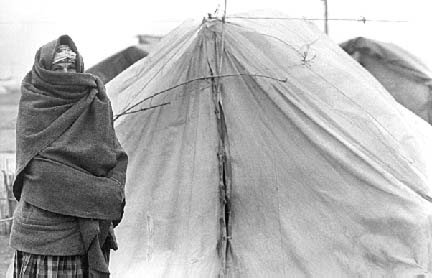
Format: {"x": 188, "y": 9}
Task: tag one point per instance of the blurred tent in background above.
{"x": 115, "y": 64}
{"x": 148, "y": 41}
{"x": 270, "y": 153}
{"x": 404, "y": 76}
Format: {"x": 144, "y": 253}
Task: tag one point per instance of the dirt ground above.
{"x": 6, "y": 254}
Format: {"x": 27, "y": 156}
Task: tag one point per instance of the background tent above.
{"x": 274, "y": 155}
{"x": 108, "y": 68}
{"x": 406, "y": 78}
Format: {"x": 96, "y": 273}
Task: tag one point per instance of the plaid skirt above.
{"x": 40, "y": 266}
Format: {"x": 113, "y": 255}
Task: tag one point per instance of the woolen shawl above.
{"x": 67, "y": 147}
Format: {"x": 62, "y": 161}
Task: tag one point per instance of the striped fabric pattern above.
{"x": 42, "y": 266}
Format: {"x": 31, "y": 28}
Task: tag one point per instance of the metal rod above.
{"x": 6, "y": 219}
{"x": 325, "y": 17}
{"x": 361, "y": 19}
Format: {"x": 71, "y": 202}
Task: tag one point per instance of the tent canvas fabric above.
{"x": 405, "y": 77}
{"x": 108, "y": 68}
{"x": 276, "y": 155}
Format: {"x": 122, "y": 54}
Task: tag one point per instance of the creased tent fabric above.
{"x": 331, "y": 177}
{"x": 406, "y": 78}
{"x": 172, "y": 225}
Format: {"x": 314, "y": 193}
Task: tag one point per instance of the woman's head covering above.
{"x": 59, "y": 50}
{"x": 64, "y": 59}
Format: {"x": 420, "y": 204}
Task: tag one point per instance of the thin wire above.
{"x": 161, "y": 69}
{"x": 139, "y": 110}
{"x": 221, "y": 50}
{"x": 222, "y": 40}
{"x": 6, "y": 219}
{"x": 26, "y": 22}
{"x": 375, "y": 120}
{"x": 298, "y": 51}
{"x": 333, "y": 85}
{"x": 225, "y": 9}
{"x": 336, "y": 88}
{"x": 362, "y": 19}
{"x": 198, "y": 79}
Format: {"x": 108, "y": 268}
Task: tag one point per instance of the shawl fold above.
{"x": 67, "y": 147}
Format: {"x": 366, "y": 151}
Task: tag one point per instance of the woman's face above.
{"x": 64, "y": 60}
{"x": 64, "y": 67}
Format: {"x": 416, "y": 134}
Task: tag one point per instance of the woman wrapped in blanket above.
{"x": 71, "y": 169}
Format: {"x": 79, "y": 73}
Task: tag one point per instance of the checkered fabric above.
{"x": 40, "y": 266}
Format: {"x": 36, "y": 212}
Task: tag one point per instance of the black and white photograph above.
{"x": 215, "y": 139}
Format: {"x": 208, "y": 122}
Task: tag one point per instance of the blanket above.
{"x": 66, "y": 144}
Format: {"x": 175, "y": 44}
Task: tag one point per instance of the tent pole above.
{"x": 325, "y": 16}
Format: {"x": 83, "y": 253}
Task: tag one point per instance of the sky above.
{"x": 101, "y": 28}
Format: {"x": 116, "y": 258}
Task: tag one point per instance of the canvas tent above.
{"x": 110, "y": 67}
{"x": 404, "y": 76}
{"x": 274, "y": 154}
